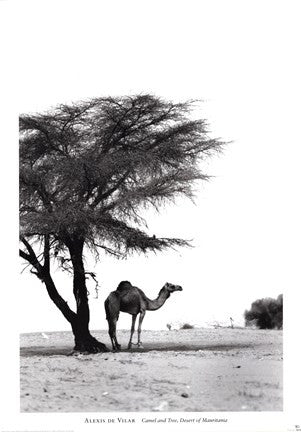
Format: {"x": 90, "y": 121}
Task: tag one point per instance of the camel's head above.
{"x": 172, "y": 288}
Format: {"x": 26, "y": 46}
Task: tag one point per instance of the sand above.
{"x": 193, "y": 370}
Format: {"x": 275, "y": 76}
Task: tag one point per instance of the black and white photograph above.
{"x": 150, "y": 185}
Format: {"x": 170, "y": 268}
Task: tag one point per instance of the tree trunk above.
{"x": 84, "y": 341}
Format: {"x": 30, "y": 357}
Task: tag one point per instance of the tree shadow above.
{"x": 148, "y": 347}
{"x": 45, "y": 351}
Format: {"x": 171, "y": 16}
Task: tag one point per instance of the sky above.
{"x": 238, "y": 58}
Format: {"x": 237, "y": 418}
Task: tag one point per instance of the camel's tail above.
{"x": 112, "y": 305}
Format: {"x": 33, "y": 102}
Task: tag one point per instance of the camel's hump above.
{"x": 124, "y": 285}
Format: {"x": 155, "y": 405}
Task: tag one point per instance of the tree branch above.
{"x": 46, "y": 266}
{"x": 103, "y": 196}
{"x": 24, "y": 255}
{"x": 32, "y": 259}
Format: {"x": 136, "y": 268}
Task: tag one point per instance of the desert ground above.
{"x": 194, "y": 370}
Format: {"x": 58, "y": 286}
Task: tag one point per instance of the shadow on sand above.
{"x": 67, "y": 350}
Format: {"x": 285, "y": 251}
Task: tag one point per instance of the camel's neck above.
{"x": 159, "y": 301}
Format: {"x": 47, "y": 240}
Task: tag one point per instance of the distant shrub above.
{"x": 186, "y": 326}
{"x": 266, "y": 313}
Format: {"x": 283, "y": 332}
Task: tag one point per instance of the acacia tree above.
{"x": 86, "y": 172}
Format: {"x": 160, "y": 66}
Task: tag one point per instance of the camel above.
{"x": 130, "y": 299}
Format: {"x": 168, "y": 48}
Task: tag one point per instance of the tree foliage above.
{"x": 87, "y": 169}
{"x": 266, "y": 313}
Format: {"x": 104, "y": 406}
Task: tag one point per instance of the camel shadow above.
{"x": 186, "y": 347}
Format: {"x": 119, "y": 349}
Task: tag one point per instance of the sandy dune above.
{"x": 196, "y": 370}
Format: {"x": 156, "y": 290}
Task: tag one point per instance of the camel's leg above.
{"x": 112, "y": 333}
{"x": 141, "y": 316}
{"x": 132, "y": 331}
